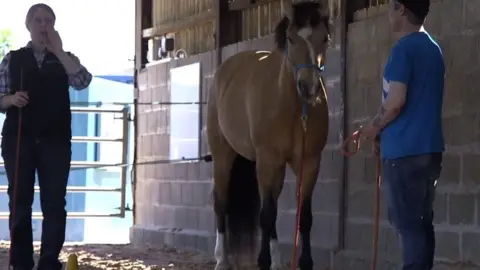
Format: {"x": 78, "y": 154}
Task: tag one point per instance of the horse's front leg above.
{"x": 310, "y": 174}
{"x": 221, "y": 176}
{"x": 270, "y": 179}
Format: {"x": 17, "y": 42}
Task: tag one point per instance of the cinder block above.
{"x": 335, "y": 129}
{"x": 187, "y": 193}
{"x": 450, "y": 174}
{"x": 455, "y": 11}
{"x": 460, "y": 130}
{"x": 368, "y": 71}
{"x": 326, "y": 197}
{"x": 470, "y": 250}
{"x": 471, "y": 169}
{"x": 324, "y": 232}
{"x": 331, "y": 166}
{"x": 447, "y": 246}
{"x": 454, "y": 92}
{"x": 472, "y": 9}
{"x": 441, "y": 208}
{"x": 361, "y": 204}
{"x": 461, "y": 209}
{"x": 207, "y": 220}
{"x": 176, "y": 193}
{"x": 359, "y": 237}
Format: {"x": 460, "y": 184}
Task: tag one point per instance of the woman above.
{"x": 34, "y": 83}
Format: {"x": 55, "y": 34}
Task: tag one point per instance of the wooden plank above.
{"x": 240, "y": 4}
{"x": 178, "y": 25}
{"x": 138, "y": 34}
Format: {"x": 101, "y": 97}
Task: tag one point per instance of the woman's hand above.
{"x": 53, "y": 41}
{"x": 19, "y": 99}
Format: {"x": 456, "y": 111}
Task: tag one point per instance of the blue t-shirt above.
{"x": 417, "y": 61}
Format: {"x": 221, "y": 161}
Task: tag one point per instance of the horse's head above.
{"x": 304, "y": 35}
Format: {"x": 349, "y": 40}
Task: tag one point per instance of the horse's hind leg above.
{"x": 271, "y": 175}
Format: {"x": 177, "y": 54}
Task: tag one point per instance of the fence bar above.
{"x": 38, "y": 215}
{"x": 124, "y": 160}
{"x": 92, "y": 139}
{"x": 94, "y": 110}
{"x": 4, "y": 188}
{"x": 95, "y": 139}
{"x": 84, "y": 164}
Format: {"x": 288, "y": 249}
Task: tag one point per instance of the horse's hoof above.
{"x": 222, "y": 266}
{"x": 305, "y": 263}
{"x": 276, "y": 267}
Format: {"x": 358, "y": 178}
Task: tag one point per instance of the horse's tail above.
{"x": 243, "y": 206}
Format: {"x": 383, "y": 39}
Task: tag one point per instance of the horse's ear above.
{"x": 334, "y": 9}
{"x": 286, "y": 8}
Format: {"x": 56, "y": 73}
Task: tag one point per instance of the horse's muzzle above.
{"x": 308, "y": 92}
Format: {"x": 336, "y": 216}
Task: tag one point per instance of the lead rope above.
{"x": 15, "y": 176}
{"x": 299, "y": 185}
{"x": 355, "y": 139}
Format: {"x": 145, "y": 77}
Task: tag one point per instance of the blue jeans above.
{"x": 409, "y": 184}
{"x": 50, "y": 159}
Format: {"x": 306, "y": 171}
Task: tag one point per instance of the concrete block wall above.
{"x": 456, "y": 26}
{"x": 172, "y": 200}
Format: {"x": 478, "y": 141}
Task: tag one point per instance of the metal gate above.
{"x": 76, "y": 165}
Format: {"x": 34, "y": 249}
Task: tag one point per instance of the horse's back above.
{"x": 241, "y": 69}
{"x": 231, "y": 96}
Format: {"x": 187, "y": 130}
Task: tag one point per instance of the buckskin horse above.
{"x": 256, "y": 125}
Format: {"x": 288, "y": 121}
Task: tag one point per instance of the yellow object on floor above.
{"x": 72, "y": 263}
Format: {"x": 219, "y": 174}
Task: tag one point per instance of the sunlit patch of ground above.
{"x": 126, "y": 257}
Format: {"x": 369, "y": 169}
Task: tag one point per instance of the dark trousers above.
{"x": 409, "y": 184}
{"x": 50, "y": 159}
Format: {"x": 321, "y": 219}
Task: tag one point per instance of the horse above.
{"x": 256, "y": 122}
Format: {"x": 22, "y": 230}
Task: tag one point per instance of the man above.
{"x": 409, "y": 125}
{"x": 34, "y": 90}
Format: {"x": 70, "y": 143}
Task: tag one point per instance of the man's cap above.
{"x": 419, "y": 8}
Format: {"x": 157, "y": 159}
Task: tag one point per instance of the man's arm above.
{"x": 399, "y": 75}
{"x": 392, "y": 105}
{"x": 4, "y": 82}
{"x": 79, "y": 77}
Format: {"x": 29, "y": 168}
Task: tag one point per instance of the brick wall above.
{"x": 173, "y": 203}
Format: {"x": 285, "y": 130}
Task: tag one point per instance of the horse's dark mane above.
{"x": 304, "y": 13}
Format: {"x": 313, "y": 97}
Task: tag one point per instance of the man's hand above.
{"x": 53, "y": 41}
{"x": 369, "y": 132}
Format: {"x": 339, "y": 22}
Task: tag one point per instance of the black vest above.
{"x": 48, "y": 111}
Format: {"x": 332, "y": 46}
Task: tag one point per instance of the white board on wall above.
{"x": 185, "y": 118}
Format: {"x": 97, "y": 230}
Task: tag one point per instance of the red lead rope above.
{"x": 13, "y": 200}
{"x": 355, "y": 139}
{"x": 15, "y": 185}
{"x": 299, "y": 203}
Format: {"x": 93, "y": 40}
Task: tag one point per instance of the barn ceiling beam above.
{"x": 178, "y": 25}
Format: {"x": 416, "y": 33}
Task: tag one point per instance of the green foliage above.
{"x": 6, "y": 42}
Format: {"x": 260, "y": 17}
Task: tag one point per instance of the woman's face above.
{"x": 38, "y": 24}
